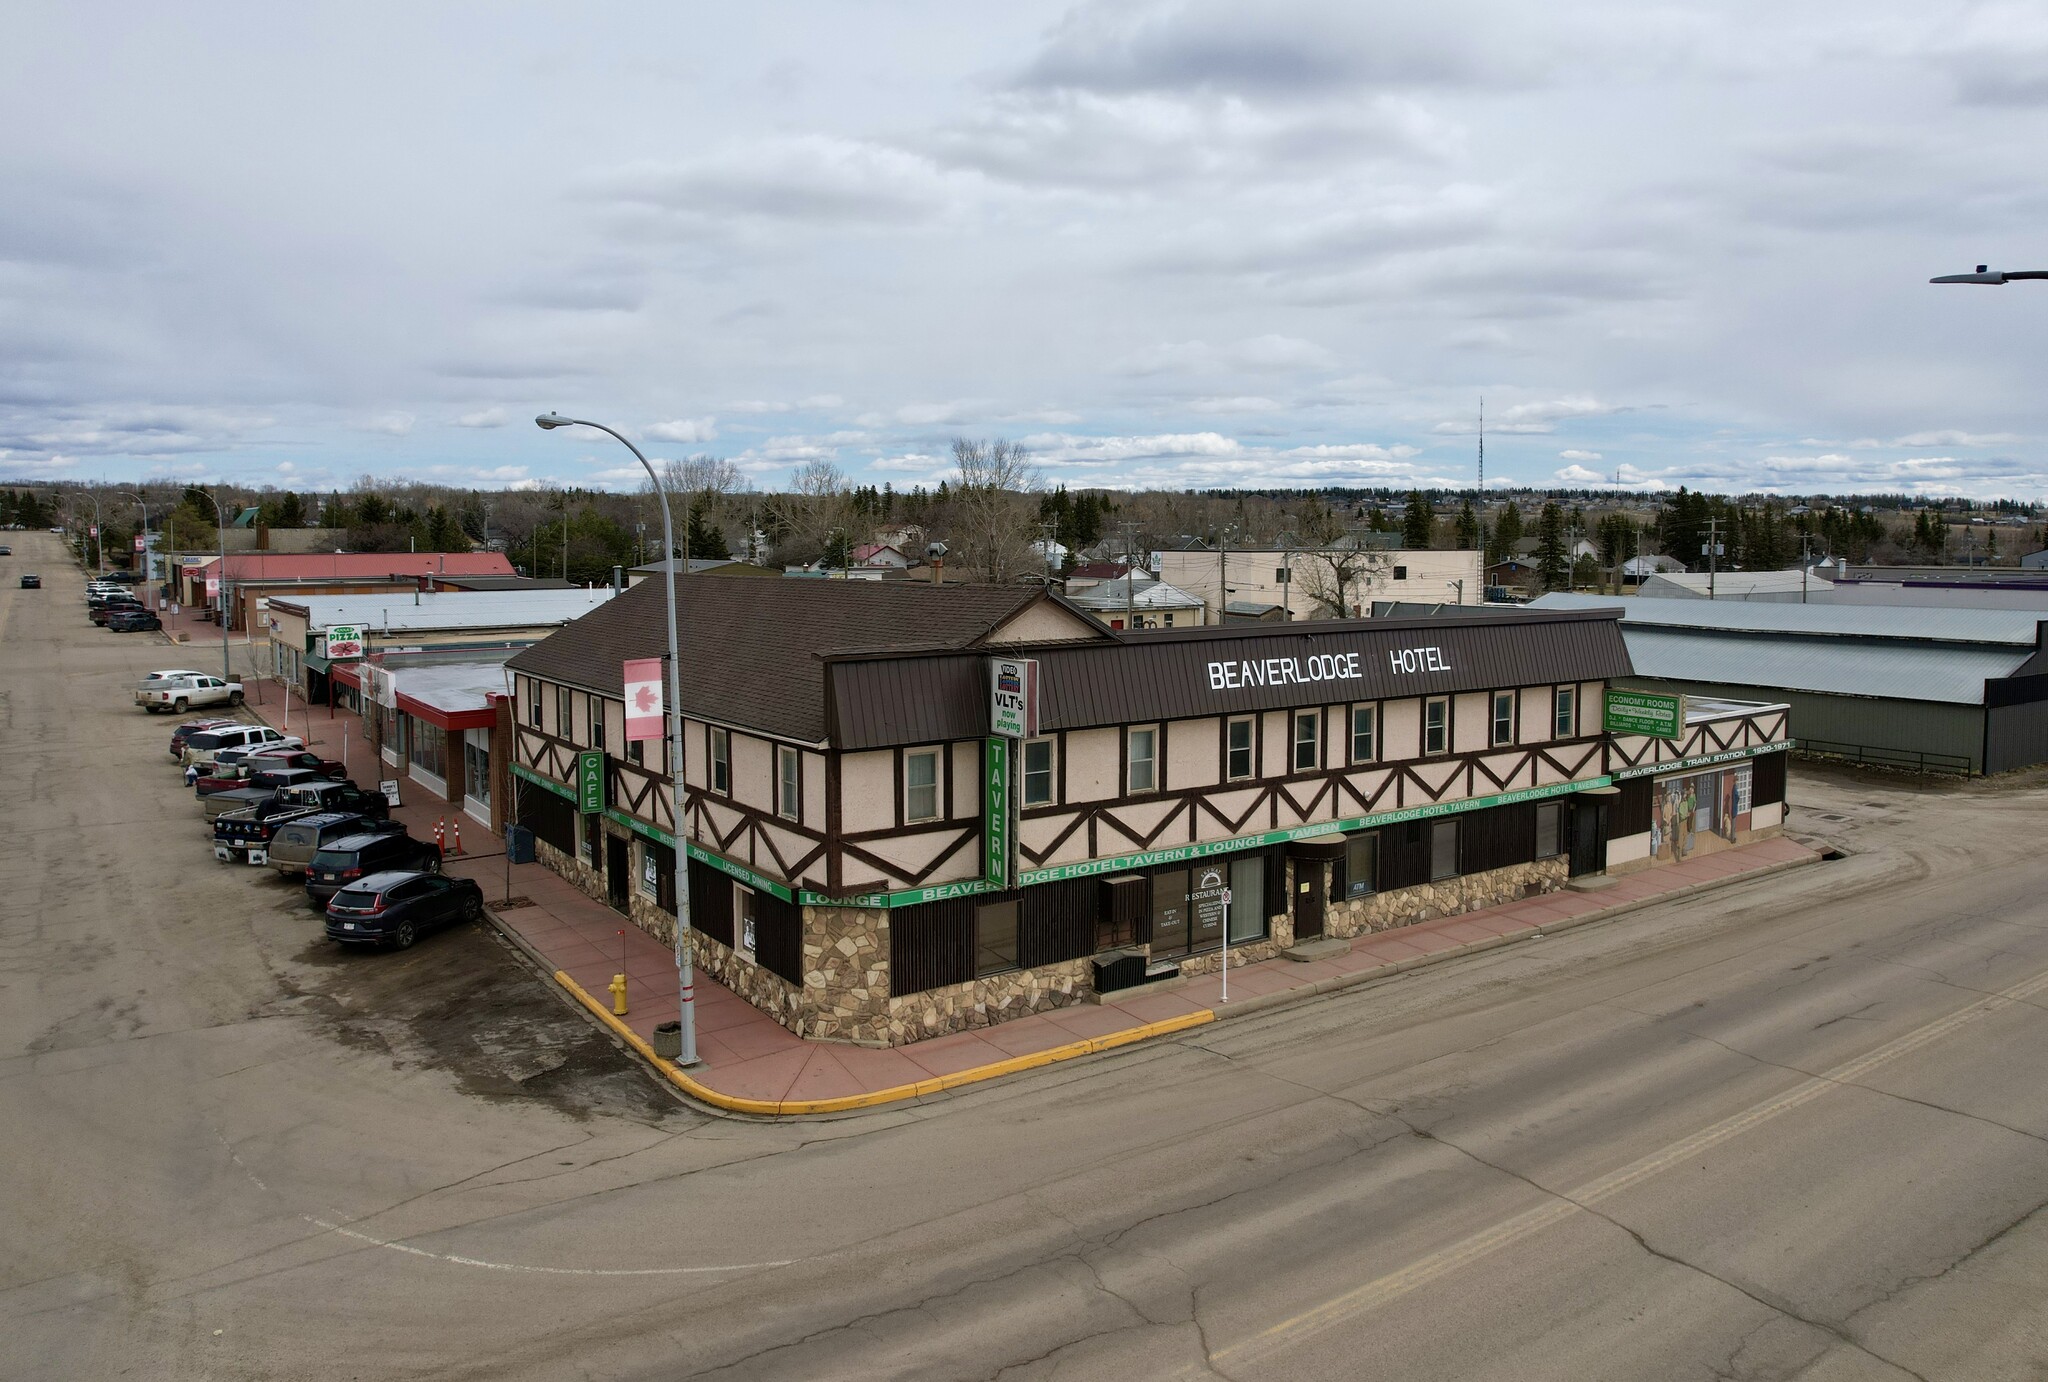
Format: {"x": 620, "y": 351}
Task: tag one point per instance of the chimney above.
{"x": 618, "y": 579}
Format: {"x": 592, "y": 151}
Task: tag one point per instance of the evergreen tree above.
{"x": 291, "y": 511}
{"x": 1418, "y": 525}
{"x": 1553, "y": 557}
{"x": 703, "y": 538}
{"x": 1506, "y": 533}
{"x": 1468, "y": 528}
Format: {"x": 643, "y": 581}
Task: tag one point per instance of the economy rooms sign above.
{"x": 1236, "y": 675}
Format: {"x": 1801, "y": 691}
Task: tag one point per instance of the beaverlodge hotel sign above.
{"x": 1300, "y": 671}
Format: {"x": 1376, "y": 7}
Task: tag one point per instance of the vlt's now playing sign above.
{"x": 643, "y": 699}
{"x": 1013, "y": 697}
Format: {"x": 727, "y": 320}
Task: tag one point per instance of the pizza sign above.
{"x": 344, "y": 641}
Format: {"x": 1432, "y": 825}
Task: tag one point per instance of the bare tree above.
{"x": 710, "y": 483}
{"x": 994, "y": 519}
{"x": 1340, "y": 581}
{"x": 815, "y": 513}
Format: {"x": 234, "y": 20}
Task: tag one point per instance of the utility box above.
{"x": 519, "y": 844}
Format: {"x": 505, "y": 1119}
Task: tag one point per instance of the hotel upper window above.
{"x": 1142, "y": 772}
{"x": 1038, "y": 770}
{"x": 1503, "y": 717}
{"x": 596, "y": 709}
{"x": 788, "y": 797}
{"x": 1308, "y": 731}
{"x": 1436, "y": 724}
{"x": 1566, "y": 714}
{"x": 533, "y": 698}
{"x": 721, "y": 759}
{"x": 1238, "y": 750}
{"x": 1365, "y": 725}
{"x": 565, "y": 714}
{"x": 921, "y": 785}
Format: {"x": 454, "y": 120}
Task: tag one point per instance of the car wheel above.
{"x": 180, "y": 705}
{"x": 473, "y": 909}
{"x": 433, "y": 865}
{"x": 234, "y": 698}
{"x": 404, "y": 936}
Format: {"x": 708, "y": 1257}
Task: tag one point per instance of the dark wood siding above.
{"x": 1630, "y": 813}
{"x": 1404, "y": 855}
{"x": 779, "y": 937}
{"x": 549, "y": 817}
{"x": 1276, "y": 881}
{"x": 711, "y": 902}
{"x": 1768, "y": 783}
{"x": 1058, "y": 921}
{"x": 931, "y": 945}
{"x": 1497, "y": 837}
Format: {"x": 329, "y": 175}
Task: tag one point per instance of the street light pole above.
{"x": 1991, "y": 277}
{"x": 99, "y": 549}
{"x": 686, "y": 1009}
{"x": 146, "y": 554}
{"x": 221, "y": 579}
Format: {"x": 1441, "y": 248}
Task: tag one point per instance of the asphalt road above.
{"x": 1791, "y": 1129}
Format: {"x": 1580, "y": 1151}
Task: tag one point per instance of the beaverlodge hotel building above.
{"x": 870, "y": 861}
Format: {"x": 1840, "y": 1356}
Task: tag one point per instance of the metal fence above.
{"x": 1872, "y": 756}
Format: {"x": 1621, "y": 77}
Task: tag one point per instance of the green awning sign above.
{"x": 590, "y": 781}
{"x": 1660, "y": 714}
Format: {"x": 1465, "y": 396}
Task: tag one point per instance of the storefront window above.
{"x": 1361, "y": 864}
{"x": 476, "y": 771}
{"x": 995, "y": 937}
{"x": 1443, "y": 851}
{"x": 1247, "y": 898}
{"x": 650, "y": 873}
{"x": 1548, "y": 816}
{"x": 1170, "y": 912}
{"x": 426, "y": 747}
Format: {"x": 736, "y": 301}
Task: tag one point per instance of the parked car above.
{"x": 249, "y": 829}
{"x": 188, "y": 691}
{"x": 343, "y": 862}
{"x": 398, "y": 907}
{"x": 192, "y": 727}
{"x": 133, "y": 621}
{"x": 201, "y": 747}
{"x": 6, "y": 551}
{"x": 104, "y": 613}
{"x": 168, "y": 674}
{"x": 254, "y": 791}
{"x": 234, "y": 767}
{"x": 31, "y": 581}
{"x": 293, "y": 844}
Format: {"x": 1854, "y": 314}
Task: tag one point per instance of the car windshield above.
{"x": 355, "y": 897}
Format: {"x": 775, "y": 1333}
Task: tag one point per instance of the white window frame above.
{"x": 911, "y": 812}
{"x": 1250, "y": 749}
{"x": 1051, "y": 773}
{"x": 1564, "y": 712}
{"x": 1313, "y": 721}
{"x": 1442, "y": 729}
{"x": 1371, "y": 714}
{"x": 1132, "y": 786}
{"x": 1500, "y": 731}
{"x": 719, "y": 774}
{"x": 789, "y": 783}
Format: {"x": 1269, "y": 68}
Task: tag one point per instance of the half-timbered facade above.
{"x": 866, "y": 860}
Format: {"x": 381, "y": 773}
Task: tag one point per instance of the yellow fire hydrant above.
{"x": 618, "y": 987}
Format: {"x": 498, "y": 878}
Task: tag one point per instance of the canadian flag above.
{"x": 643, "y": 698}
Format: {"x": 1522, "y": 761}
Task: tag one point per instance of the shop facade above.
{"x": 867, "y": 860}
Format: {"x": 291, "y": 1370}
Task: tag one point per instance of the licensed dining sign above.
{"x": 1660, "y": 714}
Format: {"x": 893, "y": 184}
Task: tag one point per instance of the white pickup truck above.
{"x": 182, "y": 693}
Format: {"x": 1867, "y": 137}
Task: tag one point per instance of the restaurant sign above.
{"x": 590, "y": 781}
{"x": 344, "y": 641}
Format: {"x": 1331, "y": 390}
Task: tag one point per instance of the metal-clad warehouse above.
{"x": 1952, "y": 690}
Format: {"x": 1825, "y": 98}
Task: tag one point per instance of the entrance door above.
{"x": 1170, "y": 913}
{"x": 1309, "y": 890}
{"x": 1589, "y": 836}
{"x": 617, "y": 875}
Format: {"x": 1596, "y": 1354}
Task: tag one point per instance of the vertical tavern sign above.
{"x": 590, "y": 781}
{"x": 344, "y": 641}
{"x": 995, "y": 814}
{"x": 643, "y": 699}
{"x": 1013, "y": 697}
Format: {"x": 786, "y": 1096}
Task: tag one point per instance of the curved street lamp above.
{"x": 221, "y": 577}
{"x": 686, "y": 1007}
{"x": 1985, "y": 274}
{"x": 146, "y": 553}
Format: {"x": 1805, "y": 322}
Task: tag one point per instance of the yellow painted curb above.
{"x": 845, "y": 1102}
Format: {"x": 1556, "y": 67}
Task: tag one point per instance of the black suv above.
{"x": 339, "y": 864}
{"x": 399, "y": 907}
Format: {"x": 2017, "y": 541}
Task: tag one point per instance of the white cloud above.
{"x": 390, "y": 424}
{"x": 485, "y": 417}
{"x": 1575, "y": 454}
{"x": 1579, "y": 475}
{"x": 686, "y": 430}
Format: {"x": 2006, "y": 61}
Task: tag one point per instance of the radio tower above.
{"x": 1482, "y": 446}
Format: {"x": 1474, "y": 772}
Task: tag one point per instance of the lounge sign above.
{"x": 1660, "y": 714}
{"x": 1238, "y": 675}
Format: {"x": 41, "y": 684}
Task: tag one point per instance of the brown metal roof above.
{"x": 1166, "y": 675}
{"x": 752, "y": 650}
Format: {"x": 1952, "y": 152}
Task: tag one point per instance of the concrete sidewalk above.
{"x": 749, "y": 1063}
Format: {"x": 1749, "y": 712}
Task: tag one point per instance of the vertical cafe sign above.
{"x": 590, "y": 781}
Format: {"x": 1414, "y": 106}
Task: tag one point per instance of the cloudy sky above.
{"x": 1189, "y": 243}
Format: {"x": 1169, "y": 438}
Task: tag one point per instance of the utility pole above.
{"x": 1712, "y": 551}
{"x": 1482, "y": 447}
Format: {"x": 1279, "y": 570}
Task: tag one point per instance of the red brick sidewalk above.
{"x": 746, "y": 1055}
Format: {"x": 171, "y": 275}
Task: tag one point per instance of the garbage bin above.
{"x": 519, "y": 844}
{"x": 668, "y": 1040}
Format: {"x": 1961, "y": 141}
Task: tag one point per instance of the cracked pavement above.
{"x": 233, "y": 1154}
